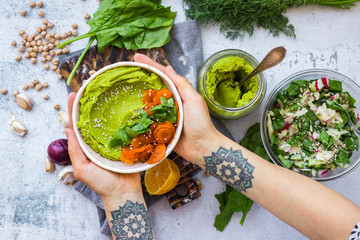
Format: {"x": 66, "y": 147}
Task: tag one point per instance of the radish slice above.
{"x": 325, "y": 171}
{"x": 325, "y": 81}
{"x": 315, "y": 150}
{"x": 357, "y": 117}
{"x": 319, "y": 85}
{"x": 315, "y": 136}
{"x": 335, "y": 97}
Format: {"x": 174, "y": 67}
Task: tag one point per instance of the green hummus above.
{"x": 222, "y": 82}
{"x": 110, "y": 101}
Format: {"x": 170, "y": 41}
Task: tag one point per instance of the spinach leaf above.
{"x": 331, "y": 142}
{"x": 278, "y": 123}
{"x": 324, "y": 138}
{"x": 351, "y": 100}
{"x": 333, "y": 105}
{"x": 302, "y": 83}
{"x": 342, "y": 156}
{"x": 345, "y": 119}
{"x": 307, "y": 144}
{"x": 134, "y": 24}
{"x": 276, "y": 112}
{"x": 166, "y": 111}
{"x": 292, "y": 90}
{"x": 352, "y": 142}
{"x": 335, "y": 86}
{"x": 353, "y": 117}
{"x": 125, "y": 134}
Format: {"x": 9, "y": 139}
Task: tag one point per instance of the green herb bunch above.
{"x": 238, "y": 17}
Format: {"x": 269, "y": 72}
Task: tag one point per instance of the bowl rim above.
{"x": 87, "y": 149}
{"x": 264, "y": 111}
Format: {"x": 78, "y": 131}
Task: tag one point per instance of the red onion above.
{"x": 58, "y": 152}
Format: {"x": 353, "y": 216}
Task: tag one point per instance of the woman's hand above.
{"x": 107, "y": 184}
{"x": 198, "y": 130}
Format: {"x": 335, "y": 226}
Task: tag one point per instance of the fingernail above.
{"x": 171, "y": 70}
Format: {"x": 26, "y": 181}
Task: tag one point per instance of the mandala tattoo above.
{"x": 131, "y": 221}
{"x": 231, "y": 167}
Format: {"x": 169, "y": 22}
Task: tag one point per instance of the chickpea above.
{"x": 21, "y": 49}
{"x": 46, "y": 66}
{"x": 54, "y": 68}
{"x": 13, "y": 43}
{"x": 56, "y": 43}
{"x": 27, "y": 55}
{"x": 41, "y": 13}
{"x": 31, "y": 84}
{"x": 45, "y": 48}
{"x": 40, "y": 4}
{"x": 21, "y": 32}
{"x": 45, "y": 85}
{"x": 55, "y": 62}
{"x": 37, "y": 38}
{"x": 47, "y": 37}
{"x": 87, "y": 16}
{"x": 33, "y": 54}
{"x": 49, "y": 58}
{"x": 50, "y": 25}
{"x": 16, "y": 92}
{"x": 3, "y": 91}
{"x": 57, "y": 107}
{"x": 45, "y": 96}
{"x": 51, "y": 46}
{"x": 18, "y": 57}
{"x": 25, "y": 37}
{"x": 30, "y": 38}
{"x": 45, "y": 54}
{"x": 23, "y": 13}
{"x": 35, "y": 81}
{"x": 39, "y": 42}
{"x": 34, "y": 35}
{"x": 25, "y": 86}
{"x": 30, "y": 50}
{"x": 23, "y": 42}
{"x": 38, "y": 87}
{"x": 58, "y": 52}
{"x": 74, "y": 26}
{"x": 64, "y": 35}
{"x": 38, "y": 29}
{"x": 33, "y": 60}
{"x": 41, "y": 49}
{"x": 52, "y": 53}
{"x": 33, "y": 43}
{"x": 58, "y": 71}
{"x": 52, "y": 34}
{"x": 36, "y": 49}
{"x": 32, "y": 4}
{"x": 65, "y": 50}
{"x": 28, "y": 45}
{"x": 57, "y": 36}
{"x": 69, "y": 33}
{"x": 44, "y": 43}
{"x": 43, "y": 27}
{"x": 43, "y": 60}
{"x": 45, "y": 21}
{"x": 74, "y": 33}
{"x": 52, "y": 40}
{"x": 43, "y": 34}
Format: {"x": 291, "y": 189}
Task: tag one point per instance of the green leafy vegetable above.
{"x": 231, "y": 200}
{"x": 278, "y": 123}
{"x": 292, "y": 90}
{"x": 333, "y": 105}
{"x": 342, "y": 156}
{"x": 166, "y": 111}
{"x": 287, "y": 163}
{"x": 335, "y": 85}
{"x": 238, "y": 17}
{"x": 125, "y": 134}
{"x": 134, "y": 24}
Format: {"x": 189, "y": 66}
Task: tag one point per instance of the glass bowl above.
{"x": 217, "y": 109}
{"x": 348, "y": 85}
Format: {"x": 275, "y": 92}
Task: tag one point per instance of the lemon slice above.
{"x": 162, "y": 178}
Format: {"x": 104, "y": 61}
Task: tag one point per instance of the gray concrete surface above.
{"x": 33, "y": 205}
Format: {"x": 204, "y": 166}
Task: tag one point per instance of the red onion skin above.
{"x": 58, "y": 152}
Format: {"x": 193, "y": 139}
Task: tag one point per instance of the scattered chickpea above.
{"x": 41, "y": 13}
{"x": 49, "y": 58}
{"x": 41, "y": 49}
{"x": 65, "y": 50}
{"x": 32, "y": 4}
{"x": 43, "y": 27}
{"x": 52, "y": 34}
{"x": 21, "y": 49}
{"x": 52, "y": 53}
{"x": 25, "y": 86}
{"x": 57, "y": 43}
{"x": 57, "y": 107}
{"x": 31, "y": 84}
{"x": 23, "y": 42}
{"x": 69, "y": 33}
{"x": 45, "y": 21}
{"x": 46, "y": 66}
{"x": 40, "y": 4}
{"x": 60, "y": 77}
{"x": 57, "y": 36}
{"x": 36, "y": 49}
{"x": 54, "y": 68}
{"x": 18, "y": 57}
{"x": 15, "y": 92}
{"x": 37, "y": 37}
{"x": 64, "y": 35}
{"x": 34, "y": 34}
{"x": 33, "y": 43}
{"x": 45, "y": 53}
{"x": 27, "y": 55}
{"x": 51, "y": 46}
{"x": 21, "y": 32}
{"x": 38, "y": 29}
{"x": 47, "y": 37}
{"x": 87, "y": 16}
{"x": 33, "y": 60}
{"x": 58, "y": 52}
{"x": 25, "y": 37}
{"x": 38, "y": 87}
{"x": 52, "y": 40}
{"x": 58, "y": 71}
{"x": 38, "y": 42}
{"x": 23, "y": 13}
{"x": 3, "y": 91}
{"x": 66, "y": 39}
{"x": 30, "y": 50}
{"x": 30, "y": 38}
{"x": 13, "y": 43}
{"x": 55, "y": 62}
{"x": 50, "y": 25}
{"x": 36, "y": 82}
{"x": 74, "y": 26}
{"x": 43, "y": 59}
{"x": 45, "y": 96}
{"x": 45, "y": 85}
{"x": 43, "y": 34}
{"x": 28, "y": 45}
{"x": 74, "y": 33}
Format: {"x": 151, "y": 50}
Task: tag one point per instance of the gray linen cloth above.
{"x": 186, "y": 56}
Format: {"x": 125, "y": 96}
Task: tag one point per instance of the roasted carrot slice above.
{"x": 149, "y": 106}
{"x": 136, "y": 153}
{"x": 140, "y": 141}
{"x": 161, "y": 93}
{"x": 124, "y": 155}
{"x": 148, "y": 150}
{"x": 158, "y": 154}
{"x": 178, "y": 114}
{"x": 148, "y": 95}
{"x": 164, "y": 132}
{"x": 150, "y": 134}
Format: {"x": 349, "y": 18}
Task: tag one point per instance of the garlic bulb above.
{"x": 67, "y": 176}
{"x": 17, "y": 126}
{"x": 64, "y": 118}
{"x": 24, "y": 101}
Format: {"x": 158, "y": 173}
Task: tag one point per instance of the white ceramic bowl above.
{"x": 118, "y": 166}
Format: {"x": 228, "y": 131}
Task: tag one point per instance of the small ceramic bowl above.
{"x": 118, "y": 166}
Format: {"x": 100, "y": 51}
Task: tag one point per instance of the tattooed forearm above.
{"x": 131, "y": 221}
{"x": 231, "y": 167}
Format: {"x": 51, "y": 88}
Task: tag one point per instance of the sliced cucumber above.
{"x": 313, "y": 163}
{"x": 296, "y": 157}
{"x": 287, "y": 163}
{"x": 299, "y": 164}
